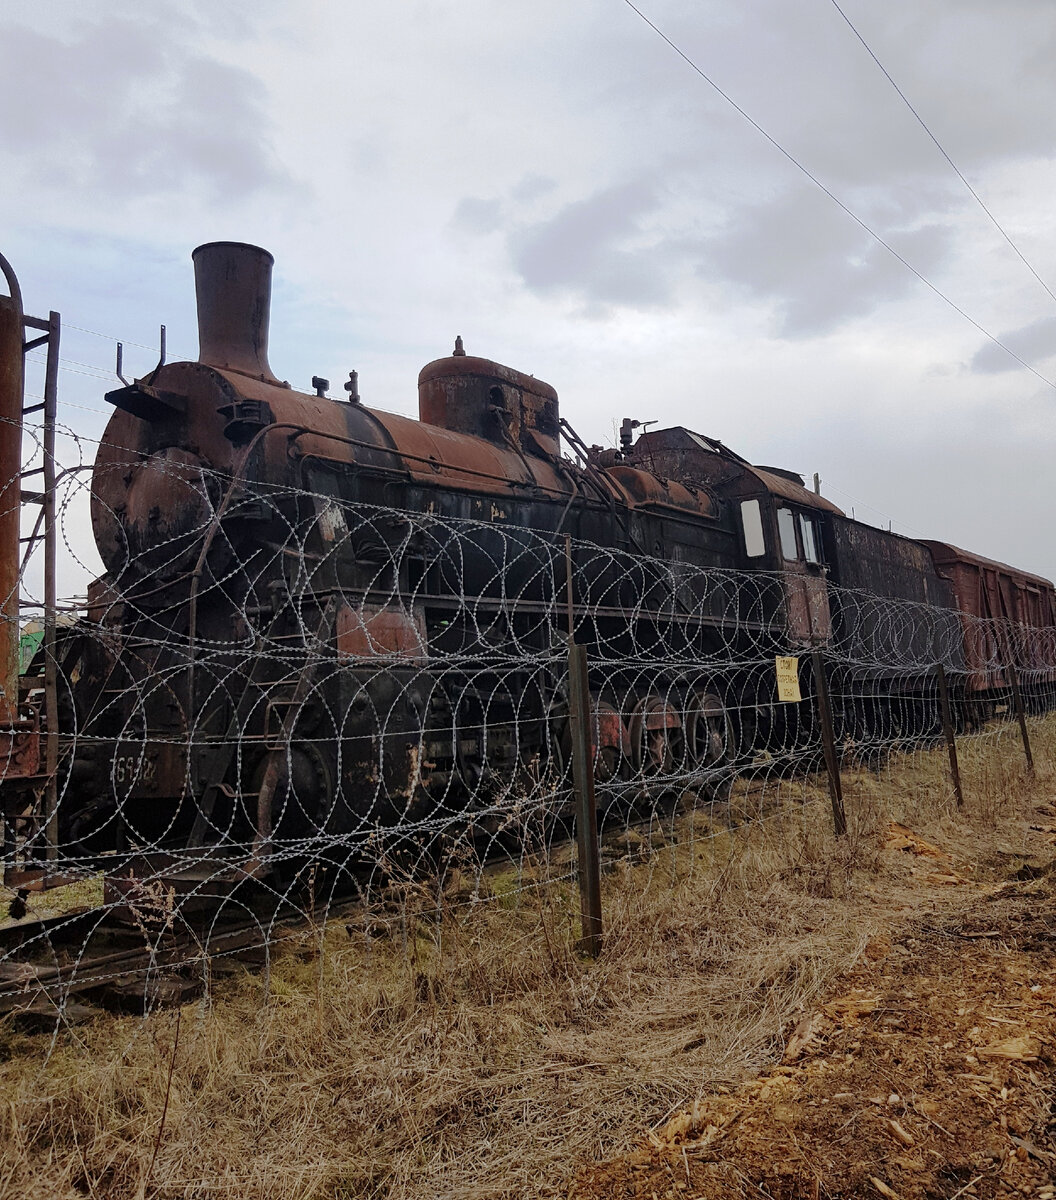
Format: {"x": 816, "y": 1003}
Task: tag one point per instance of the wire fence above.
{"x": 278, "y": 706}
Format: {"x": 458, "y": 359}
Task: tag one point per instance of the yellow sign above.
{"x": 788, "y": 679}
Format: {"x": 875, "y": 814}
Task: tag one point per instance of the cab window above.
{"x": 786, "y": 528}
{"x": 806, "y": 533}
{"x": 752, "y": 523}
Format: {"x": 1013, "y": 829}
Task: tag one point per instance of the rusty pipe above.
{"x": 232, "y": 282}
{"x": 12, "y": 386}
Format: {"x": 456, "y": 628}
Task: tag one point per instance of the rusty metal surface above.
{"x": 984, "y": 588}
{"x": 997, "y": 593}
{"x": 323, "y": 619}
{"x": 471, "y": 395}
{"x": 51, "y": 697}
{"x": 874, "y": 560}
{"x": 20, "y": 748}
{"x": 371, "y": 630}
{"x": 679, "y": 453}
{"x": 608, "y": 731}
{"x": 233, "y": 286}
{"x": 658, "y": 713}
{"x": 943, "y": 554}
{"x": 437, "y": 456}
{"x": 306, "y": 427}
{"x": 806, "y": 608}
{"x": 38, "y": 879}
{"x": 643, "y": 489}
{"x": 167, "y": 505}
{"x": 788, "y": 489}
{"x": 11, "y": 400}
{"x": 869, "y": 560}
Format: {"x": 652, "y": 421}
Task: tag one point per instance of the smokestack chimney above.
{"x": 233, "y": 284}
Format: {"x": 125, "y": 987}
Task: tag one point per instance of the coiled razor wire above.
{"x": 279, "y": 698}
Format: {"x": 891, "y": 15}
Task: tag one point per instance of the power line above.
{"x": 831, "y": 487}
{"x": 942, "y": 150}
{"x": 94, "y": 368}
{"x": 105, "y": 412}
{"x": 107, "y": 336}
{"x": 72, "y": 365}
{"x": 124, "y": 341}
{"x": 837, "y": 201}
{"x": 95, "y": 372}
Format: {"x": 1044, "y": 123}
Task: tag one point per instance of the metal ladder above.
{"x": 15, "y": 558}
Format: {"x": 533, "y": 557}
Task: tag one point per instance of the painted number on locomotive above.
{"x": 133, "y": 768}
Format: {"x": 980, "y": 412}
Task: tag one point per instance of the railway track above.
{"x": 161, "y": 940}
{"x": 101, "y": 956}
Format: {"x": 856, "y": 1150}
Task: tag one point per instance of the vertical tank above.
{"x": 486, "y": 399}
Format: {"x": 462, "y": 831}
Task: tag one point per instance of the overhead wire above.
{"x": 73, "y": 367}
{"x": 108, "y": 336}
{"x": 104, "y": 412}
{"x": 860, "y": 503}
{"x": 942, "y": 150}
{"x": 864, "y": 225}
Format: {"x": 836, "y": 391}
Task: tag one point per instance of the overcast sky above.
{"x": 554, "y": 183}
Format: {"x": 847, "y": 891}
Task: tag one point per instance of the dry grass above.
{"x": 481, "y": 1056}
{"x": 85, "y": 893}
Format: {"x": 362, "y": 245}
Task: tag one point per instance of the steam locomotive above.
{"x": 289, "y": 642}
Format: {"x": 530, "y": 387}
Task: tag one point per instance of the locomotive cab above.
{"x": 780, "y": 520}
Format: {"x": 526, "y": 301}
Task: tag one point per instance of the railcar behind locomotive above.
{"x": 228, "y": 511}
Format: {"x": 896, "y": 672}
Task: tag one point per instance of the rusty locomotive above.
{"x": 220, "y": 506}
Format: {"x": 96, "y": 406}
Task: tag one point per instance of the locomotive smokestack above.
{"x": 233, "y": 284}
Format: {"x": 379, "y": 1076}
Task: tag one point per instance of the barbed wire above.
{"x": 277, "y": 697}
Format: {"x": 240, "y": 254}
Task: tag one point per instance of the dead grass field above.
{"x": 476, "y": 1054}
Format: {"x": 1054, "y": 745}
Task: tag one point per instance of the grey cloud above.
{"x": 225, "y": 20}
{"x": 1032, "y": 343}
{"x": 123, "y": 110}
{"x": 796, "y": 252}
{"x": 589, "y": 248}
{"x": 531, "y": 187}
{"x": 474, "y": 214}
{"x": 817, "y": 267}
{"x": 982, "y": 81}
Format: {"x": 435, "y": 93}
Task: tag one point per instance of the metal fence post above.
{"x": 828, "y": 741}
{"x": 1021, "y": 716}
{"x": 51, "y": 688}
{"x": 947, "y": 729}
{"x": 586, "y": 804}
{"x": 579, "y": 717}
